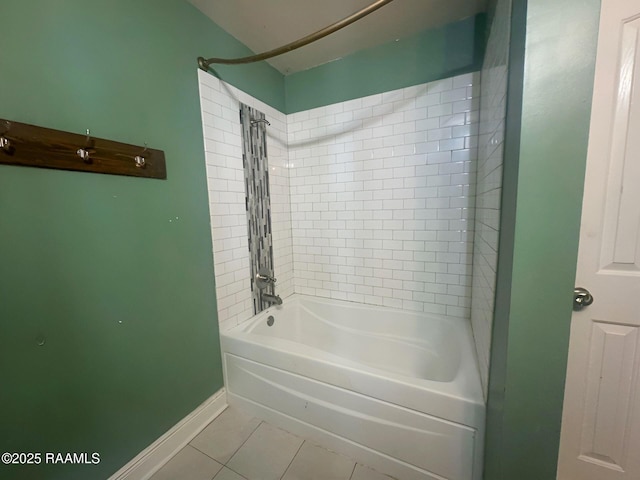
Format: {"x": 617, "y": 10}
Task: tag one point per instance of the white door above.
{"x": 600, "y": 437}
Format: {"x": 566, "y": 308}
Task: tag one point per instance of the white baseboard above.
{"x": 152, "y": 458}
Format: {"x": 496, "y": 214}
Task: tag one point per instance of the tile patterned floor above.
{"x": 239, "y": 447}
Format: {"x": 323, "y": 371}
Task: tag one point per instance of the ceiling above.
{"x": 266, "y": 24}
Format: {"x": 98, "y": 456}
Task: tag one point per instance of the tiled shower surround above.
{"x": 225, "y": 180}
{"x": 382, "y": 197}
{"x": 493, "y": 99}
{"x": 258, "y": 198}
{"x": 372, "y": 198}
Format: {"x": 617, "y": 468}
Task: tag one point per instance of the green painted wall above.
{"x": 436, "y": 53}
{"x": 550, "y": 87}
{"x": 82, "y": 252}
{"x": 115, "y": 272}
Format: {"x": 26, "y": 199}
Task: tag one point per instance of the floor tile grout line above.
{"x": 225, "y": 465}
{"x": 294, "y": 457}
{"x": 245, "y": 441}
{"x": 355, "y": 464}
{"x": 204, "y": 453}
{"x": 199, "y": 451}
{"x": 234, "y": 452}
{"x": 239, "y": 474}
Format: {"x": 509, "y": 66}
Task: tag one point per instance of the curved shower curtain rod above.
{"x": 204, "y": 63}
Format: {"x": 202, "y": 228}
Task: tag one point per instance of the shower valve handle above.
{"x": 264, "y": 278}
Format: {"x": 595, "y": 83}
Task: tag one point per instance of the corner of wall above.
{"x": 447, "y": 51}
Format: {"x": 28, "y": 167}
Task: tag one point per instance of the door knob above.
{"x": 581, "y": 298}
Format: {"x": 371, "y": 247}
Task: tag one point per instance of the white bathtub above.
{"x": 397, "y": 390}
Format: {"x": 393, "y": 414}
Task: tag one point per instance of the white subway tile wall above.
{"x": 373, "y": 198}
{"x": 382, "y": 197}
{"x": 225, "y": 178}
{"x": 489, "y": 187}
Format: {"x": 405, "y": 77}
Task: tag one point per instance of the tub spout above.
{"x": 267, "y": 297}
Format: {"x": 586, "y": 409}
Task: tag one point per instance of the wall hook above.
{"x": 140, "y": 162}
{"x": 5, "y": 143}
{"x": 139, "y": 159}
{"x": 85, "y": 152}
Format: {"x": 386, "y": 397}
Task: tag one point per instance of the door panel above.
{"x": 608, "y": 399}
{"x": 600, "y": 437}
{"x": 621, "y": 225}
